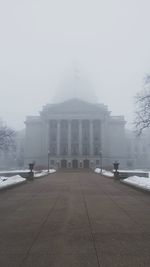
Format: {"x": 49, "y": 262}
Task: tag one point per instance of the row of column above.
{"x": 80, "y": 137}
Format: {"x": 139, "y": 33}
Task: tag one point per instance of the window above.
{"x": 96, "y": 152}
{"x": 52, "y": 162}
{"x": 85, "y": 149}
{"x": 81, "y": 164}
{"x": 53, "y": 150}
{"x": 64, "y": 149}
{"x": 74, "y": 149}
{"x": 97, "y": 162}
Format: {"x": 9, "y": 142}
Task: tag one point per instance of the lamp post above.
{"x": 31, "y": 174}
{"x": 48, "y": 157}
{"x": 101, "y": 160}
{"x": 116, "y": 166}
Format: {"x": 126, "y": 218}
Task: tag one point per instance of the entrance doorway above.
{"x": 75, "y": 164}
{"x": 86, "y": 163}
{"x": 63, "y": 163}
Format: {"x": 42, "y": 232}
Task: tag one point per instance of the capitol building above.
{"x": 78, "y": 132}
{"x": 75, "y": 134}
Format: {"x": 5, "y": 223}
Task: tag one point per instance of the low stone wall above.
{"x": 9, "y": 174}
{"x": 126, "y": 174}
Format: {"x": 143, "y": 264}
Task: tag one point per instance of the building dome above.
{"x": 76, "y": 86}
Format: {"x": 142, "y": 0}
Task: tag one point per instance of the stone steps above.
{"x": 74, "y": 170}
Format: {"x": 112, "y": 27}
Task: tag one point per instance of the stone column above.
{"x": 58, "y": 138}
{"x": 91, "y": 138}
{"x": 44, "y": 146}
{"x": 46, "y": 137}
{"x": 69, "y": 137}
{"x": 102, "y": 138}
{"x": 80, "y": 137}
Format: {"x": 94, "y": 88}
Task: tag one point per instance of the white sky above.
{"x": 41, "y": 39}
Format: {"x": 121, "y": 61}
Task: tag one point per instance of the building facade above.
{"x": 75, "y": 134}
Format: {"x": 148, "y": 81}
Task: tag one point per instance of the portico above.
{"x": 74, "y": 140}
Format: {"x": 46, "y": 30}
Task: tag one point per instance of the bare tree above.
{"x": 7, "y": 139}
{"x": 142, "y": 118}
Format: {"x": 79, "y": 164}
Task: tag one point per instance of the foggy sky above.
{"x": 43, "y": 40}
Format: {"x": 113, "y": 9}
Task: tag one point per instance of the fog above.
{"x": 54, "y": 50}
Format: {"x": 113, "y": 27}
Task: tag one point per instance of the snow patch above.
{"x": 140, "y": 182}
{"x": 52, "y": 170}
{"x": 104, "y": 172}
{"x": 8, "y": 181}
{"x": 43, "y": 173}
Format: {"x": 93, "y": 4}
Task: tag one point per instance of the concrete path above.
{"x": 74, "y": 220}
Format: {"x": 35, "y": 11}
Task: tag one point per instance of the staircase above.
{"x": 74, "y": 170}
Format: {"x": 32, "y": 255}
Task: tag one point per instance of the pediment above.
{"x": 74, "y": 106}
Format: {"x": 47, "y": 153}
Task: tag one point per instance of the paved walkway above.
{"x": 74, "y": 220}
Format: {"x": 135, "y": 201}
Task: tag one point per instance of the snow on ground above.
{"x": 140, "y": 182}
{"x": 104, "y": 172}
{"x": 40, "y": 174}
{"x": 8, "y": 181}
{"x": 17, "y": 179}
{"x": 43, "y": 173}
{"x": 51, "y": 170}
